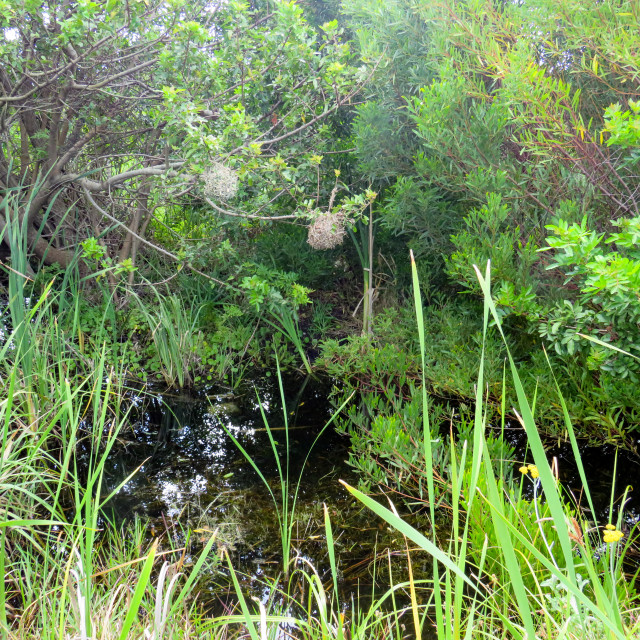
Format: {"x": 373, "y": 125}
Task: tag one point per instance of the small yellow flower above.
{"x": 612, "y": 536}
{"x": 610, "y": 527}
{"x": 534, "y": 471}
{"x": 523, "y": 470}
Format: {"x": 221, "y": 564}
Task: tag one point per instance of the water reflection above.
{"x": 192, "y": 476}
{"x": 191, "y": 472}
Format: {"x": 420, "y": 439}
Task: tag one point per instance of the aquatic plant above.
{"x": 175, "y": 336}
{"x": 66, "y": 570}
{"x": 286, "y": 323}
{"x": 286, "y": 498}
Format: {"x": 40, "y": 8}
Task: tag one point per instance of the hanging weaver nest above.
{"x": 220, "y": 182}
{"x": 327, "y": 230}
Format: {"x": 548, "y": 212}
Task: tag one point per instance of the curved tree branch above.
{"x": 251, "y": 216}
{"x": 96, "y": 186}
{"x": 155, "y": 247}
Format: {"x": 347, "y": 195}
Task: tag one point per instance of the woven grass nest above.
{"x": 327, "y": 230}
{"x": 220, "y": 182}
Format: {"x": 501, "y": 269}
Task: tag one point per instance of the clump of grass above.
{"x": 286, "y": 497}
{"x": 174, "y": 335}
{"x": 66, "y": 570}
{"x": 286, "y": 323}
{"x": 576, "y": 586}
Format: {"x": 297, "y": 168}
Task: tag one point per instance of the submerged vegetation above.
{"x": 193, "y": 193}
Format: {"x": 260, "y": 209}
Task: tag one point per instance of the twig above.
{"x": 6, "y": 266}
{"x": 251, "y": 216}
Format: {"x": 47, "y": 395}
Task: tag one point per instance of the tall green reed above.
{"x": 52, "y": 522}
{"x": 324, "y": 615}
{"x": 584, "y": 570}
{"x": 364, "y": 248}
{"x": 327, "y": 617}
{"x": 286, "y": 498}
{"x": 61, "y": 414}
{"x": 174, "y": 332}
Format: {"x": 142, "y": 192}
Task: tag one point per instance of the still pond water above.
{"x": 192, "y": 475}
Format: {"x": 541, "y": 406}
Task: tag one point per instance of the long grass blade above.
{"x": 136, "y": 600}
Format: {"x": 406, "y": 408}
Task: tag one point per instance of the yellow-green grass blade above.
{"x": 410, "y": 532}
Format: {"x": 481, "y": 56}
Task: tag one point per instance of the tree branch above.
{"x": 97, "y": 186}
{"x": 251, "y": 216}
{"x": 155, "y": 247}
{"x": 110, "y": 79}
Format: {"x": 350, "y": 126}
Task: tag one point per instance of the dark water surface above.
{"x": 608, "y": 471}
{"x": 192, "y": 476}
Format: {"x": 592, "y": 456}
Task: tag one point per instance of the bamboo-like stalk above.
{"x": 367, "y": 305}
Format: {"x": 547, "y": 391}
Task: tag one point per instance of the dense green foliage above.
{"x": 190, "y": 190}
{"x": 487, "y": 130}
{"x": 497, "y": 131}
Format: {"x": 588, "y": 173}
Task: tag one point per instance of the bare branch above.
{"x": 155, "y": 247}
{"x": 96, "y": 186}
{"x": 110, "y": 79}
{"x": 251, "y": 216}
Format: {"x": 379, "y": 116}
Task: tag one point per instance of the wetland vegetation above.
{"x": 319, "y": 319}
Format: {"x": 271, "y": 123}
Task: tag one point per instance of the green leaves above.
{"x": 607, "y": 275}
{"x": 488, "y": 235}
{"x": 276, "y": 290}
{"x": 623, "y": 126}
{"x": 165, "y": 91}
{"x": 92, "y": 249}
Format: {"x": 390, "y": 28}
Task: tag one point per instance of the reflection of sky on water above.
{"x": 171, "y": 494}
{"x": 192, "y": 477}
{"x": 187, "y": 458}
{"x": 174, "y": 494}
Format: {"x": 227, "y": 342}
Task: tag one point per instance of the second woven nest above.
{"x": 220, "y": 182}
